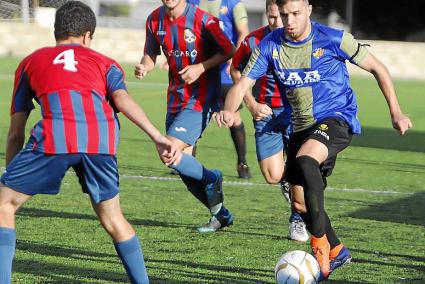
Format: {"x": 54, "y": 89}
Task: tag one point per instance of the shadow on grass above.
{"x": 190, "y": 270}
{"x": 53, "y": 270}
{"x": 386, "y": 138}
{"x": 408, "y": 210}
{"x": 381, "y": 254}
{"x": 44, "y": 213}
{"x": 61, "y": 251}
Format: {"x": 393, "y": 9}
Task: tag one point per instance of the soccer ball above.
{"x": 295, "y": 267}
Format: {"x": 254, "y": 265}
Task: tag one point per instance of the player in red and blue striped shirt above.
{"x": 79, "y": 92}
{"x": 194, "y": 46}
{"x": 233, "y": 19}
{"x": 271, "y": 118}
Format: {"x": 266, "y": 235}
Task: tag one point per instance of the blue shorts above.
{"x": 32, "y": 172}
{"x": 271, "y": 134}
{"x": 187, "y": 125}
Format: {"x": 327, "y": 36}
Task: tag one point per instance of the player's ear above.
{"x": 310, "y": 9}
{"x": 87, "y": 39}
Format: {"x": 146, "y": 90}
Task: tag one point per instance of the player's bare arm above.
{"x": 126, "y": 104}
{"x": 147, "y": 63}
{"x": 257, "y": 110}
{"x": 191, "y": 73}
{"x": 233, "y": 99}
{"x": 16, "y": 135}
{"x": 399, "y": 120}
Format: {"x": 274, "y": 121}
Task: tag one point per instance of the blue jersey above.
{"x": 230, "y": 13}
{"x": 311, "y": 73}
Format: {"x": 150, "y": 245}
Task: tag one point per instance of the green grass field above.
{"x": 375, "y": 199}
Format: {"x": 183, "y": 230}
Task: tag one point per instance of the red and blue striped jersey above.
{"x": 265, "y": 90}
{"x": 73, "y": 86}
{"x": 192, "y": 38}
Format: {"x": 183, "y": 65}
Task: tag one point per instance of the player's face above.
{"x": 296, "y": 19}
{"x": 171, "y": 4}
{"x": 273, "y": 17}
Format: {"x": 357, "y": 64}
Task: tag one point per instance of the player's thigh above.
{"x": 269, "y": 137}
{"x": 31, "y": 172}
{"x": 187, "y": 125}
{"x": 98, "y": 176}
{"x": 273, "y": 167}
{"x": 330, "y": 136}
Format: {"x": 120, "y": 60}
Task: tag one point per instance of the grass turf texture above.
{"x": 375, "y": 201}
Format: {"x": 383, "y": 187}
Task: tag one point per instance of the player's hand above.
{"x": 168, "y": 153}
{"x": 191, "y": 73}
{"x": 401, "y": 123}
{"x": 140, "y": 71}
{"x": 224, "y": 118}
{"x": 260, "y": 111}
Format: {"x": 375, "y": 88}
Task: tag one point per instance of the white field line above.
{"x": 252, "y": 184}
{"x": 245, "y": 183}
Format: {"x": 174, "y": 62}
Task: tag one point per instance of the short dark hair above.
{"x": 270, "y": 2}
{"x": 281, "y": 2}
{"x": 74, "y": 18}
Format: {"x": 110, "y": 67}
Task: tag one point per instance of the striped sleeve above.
{"x": 22, "y": 91}
{"x": 217, "y": 37}
{"x": 257, "y": 65}
{"x": 241, "y": 56}
{"x": 115, "y": 79}
{"x": 152, "y": 47}
{"x": 351, "y": 49}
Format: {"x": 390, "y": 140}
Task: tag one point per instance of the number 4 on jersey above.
{"x": 68, "y": 59}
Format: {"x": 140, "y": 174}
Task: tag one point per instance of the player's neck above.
{"x": 174, "y": 13}
{"x": 71, "y": 40}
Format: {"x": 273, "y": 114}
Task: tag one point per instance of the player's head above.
{"x": 272, "y": 14}
{"x": 171, "y": 4}
{"x": 295, "y": 16}
{"x": 74, "y": 19}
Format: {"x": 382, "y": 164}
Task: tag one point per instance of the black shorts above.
{"x": 335, "y": 133}
{"x": 224, "y": 90}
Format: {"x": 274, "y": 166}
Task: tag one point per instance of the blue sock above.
{"x": 7, "y": 250}
{"x": 189, "y": 166}
{"x": 295, "y": 216}
{"x": 131, "y": 256}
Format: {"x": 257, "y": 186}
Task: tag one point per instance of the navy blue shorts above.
{"x": 187, "y": 125}
{"x": 271, "y": 134}
{"x": 32, "y": 172}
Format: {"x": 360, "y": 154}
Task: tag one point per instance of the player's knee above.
{"x": 272, "y": 178}
{"x": 306, "y": 164}
{"x": 9, "y": 205}
{"x": 272, "y": 175}
{"x": 117, "y": 227}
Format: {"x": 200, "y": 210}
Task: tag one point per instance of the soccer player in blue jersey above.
{"x": 194, "y": 46}
{"x": 234, "y": 23}
{"x": 308, "y": 61}
{"x": 79, "y": 92}
{"x": 271, "y": 122}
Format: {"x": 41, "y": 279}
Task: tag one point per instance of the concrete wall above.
{"x": 404, "y": 59}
